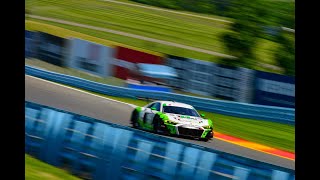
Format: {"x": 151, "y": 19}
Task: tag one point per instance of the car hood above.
{"x": 187, "y": 120}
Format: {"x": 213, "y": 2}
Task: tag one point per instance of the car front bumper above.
{"x": 185, "y": 131}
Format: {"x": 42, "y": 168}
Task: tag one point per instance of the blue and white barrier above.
{"x": 253, "y": 111}
{"x": 148, "y": 87}
{"x": 95, "y": 149}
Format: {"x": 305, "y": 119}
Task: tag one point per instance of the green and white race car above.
{"x": 173, "y": 118}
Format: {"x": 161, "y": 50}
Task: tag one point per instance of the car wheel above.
{"x": 156, "y": 123}
{"x": 208, "y": 137}
{"x": 134, "y": 119}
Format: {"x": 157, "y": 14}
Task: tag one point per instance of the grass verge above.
{"x": 36, "y": 169}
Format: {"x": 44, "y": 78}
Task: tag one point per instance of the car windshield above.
{"x": 180, "y": 110}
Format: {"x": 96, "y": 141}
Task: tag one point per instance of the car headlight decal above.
{"x": 206, "y": 126}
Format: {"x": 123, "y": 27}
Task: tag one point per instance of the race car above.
{"x": 172, "y": 118}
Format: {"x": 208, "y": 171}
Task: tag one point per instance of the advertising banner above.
{"x": 233, "y": 83}
{"x": 29, "y": 51}
{"x": 211, "y": 79}
{"x": 51, "y": 48}
{"x": 274, "y": 89}
{"x": 180, "y": 64}
{"x": 199, "y": 75}
{"x": 90, "y": 57}
{"x": 125, "y": 59}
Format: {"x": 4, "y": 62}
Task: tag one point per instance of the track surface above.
{"x": 51, "y": 94}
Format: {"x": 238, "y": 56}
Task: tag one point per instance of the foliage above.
{"x": 282, "y": 12}
{"x": 285, "y": 54}
{"x": 247, "y": 28}
{"x": 252, "y": 20}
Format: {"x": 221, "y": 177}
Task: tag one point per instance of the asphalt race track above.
{"x": 61, "y": 97}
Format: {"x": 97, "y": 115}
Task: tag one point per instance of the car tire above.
{"x": 156, "y": 123}
{"x": 134, "y": 119}
{"x": 204, "y": 139}
{"x": 207, "y": 138}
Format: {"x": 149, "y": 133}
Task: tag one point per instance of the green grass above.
{"x": 272, "y": 134}
{"x": 180, "y": 11}
{"x": 138, "y": 44}
{"x": 50, "y": 28}
{"x": 182, "y": 29}
{"x": 36, "y": 169}
{"x": 140, "y": 21}
{"x": 267, "y": 133}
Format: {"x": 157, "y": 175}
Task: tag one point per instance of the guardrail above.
{"x": 95, "y": 149}
{"x": 258, "y": 112}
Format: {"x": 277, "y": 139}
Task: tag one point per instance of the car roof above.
{"x": 178, "y": 104}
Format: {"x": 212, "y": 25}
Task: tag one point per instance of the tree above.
{"x": 247, "y": 28}
{"x": 285, "y": 54}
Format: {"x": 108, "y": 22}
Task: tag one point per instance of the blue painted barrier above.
{"x": 95, "y": 149}
{"x": 149, "y": 87}
{"x": 253, "y": 111}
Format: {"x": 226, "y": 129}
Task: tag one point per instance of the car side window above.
{"x": 155, "y": 105}
{"x": 150, "y": 106}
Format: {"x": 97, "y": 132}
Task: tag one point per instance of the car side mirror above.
{"x": 202, "y": 115}
{"x": 153, "y": 108}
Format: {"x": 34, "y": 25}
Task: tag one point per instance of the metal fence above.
{"x": 94, "y": 149}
